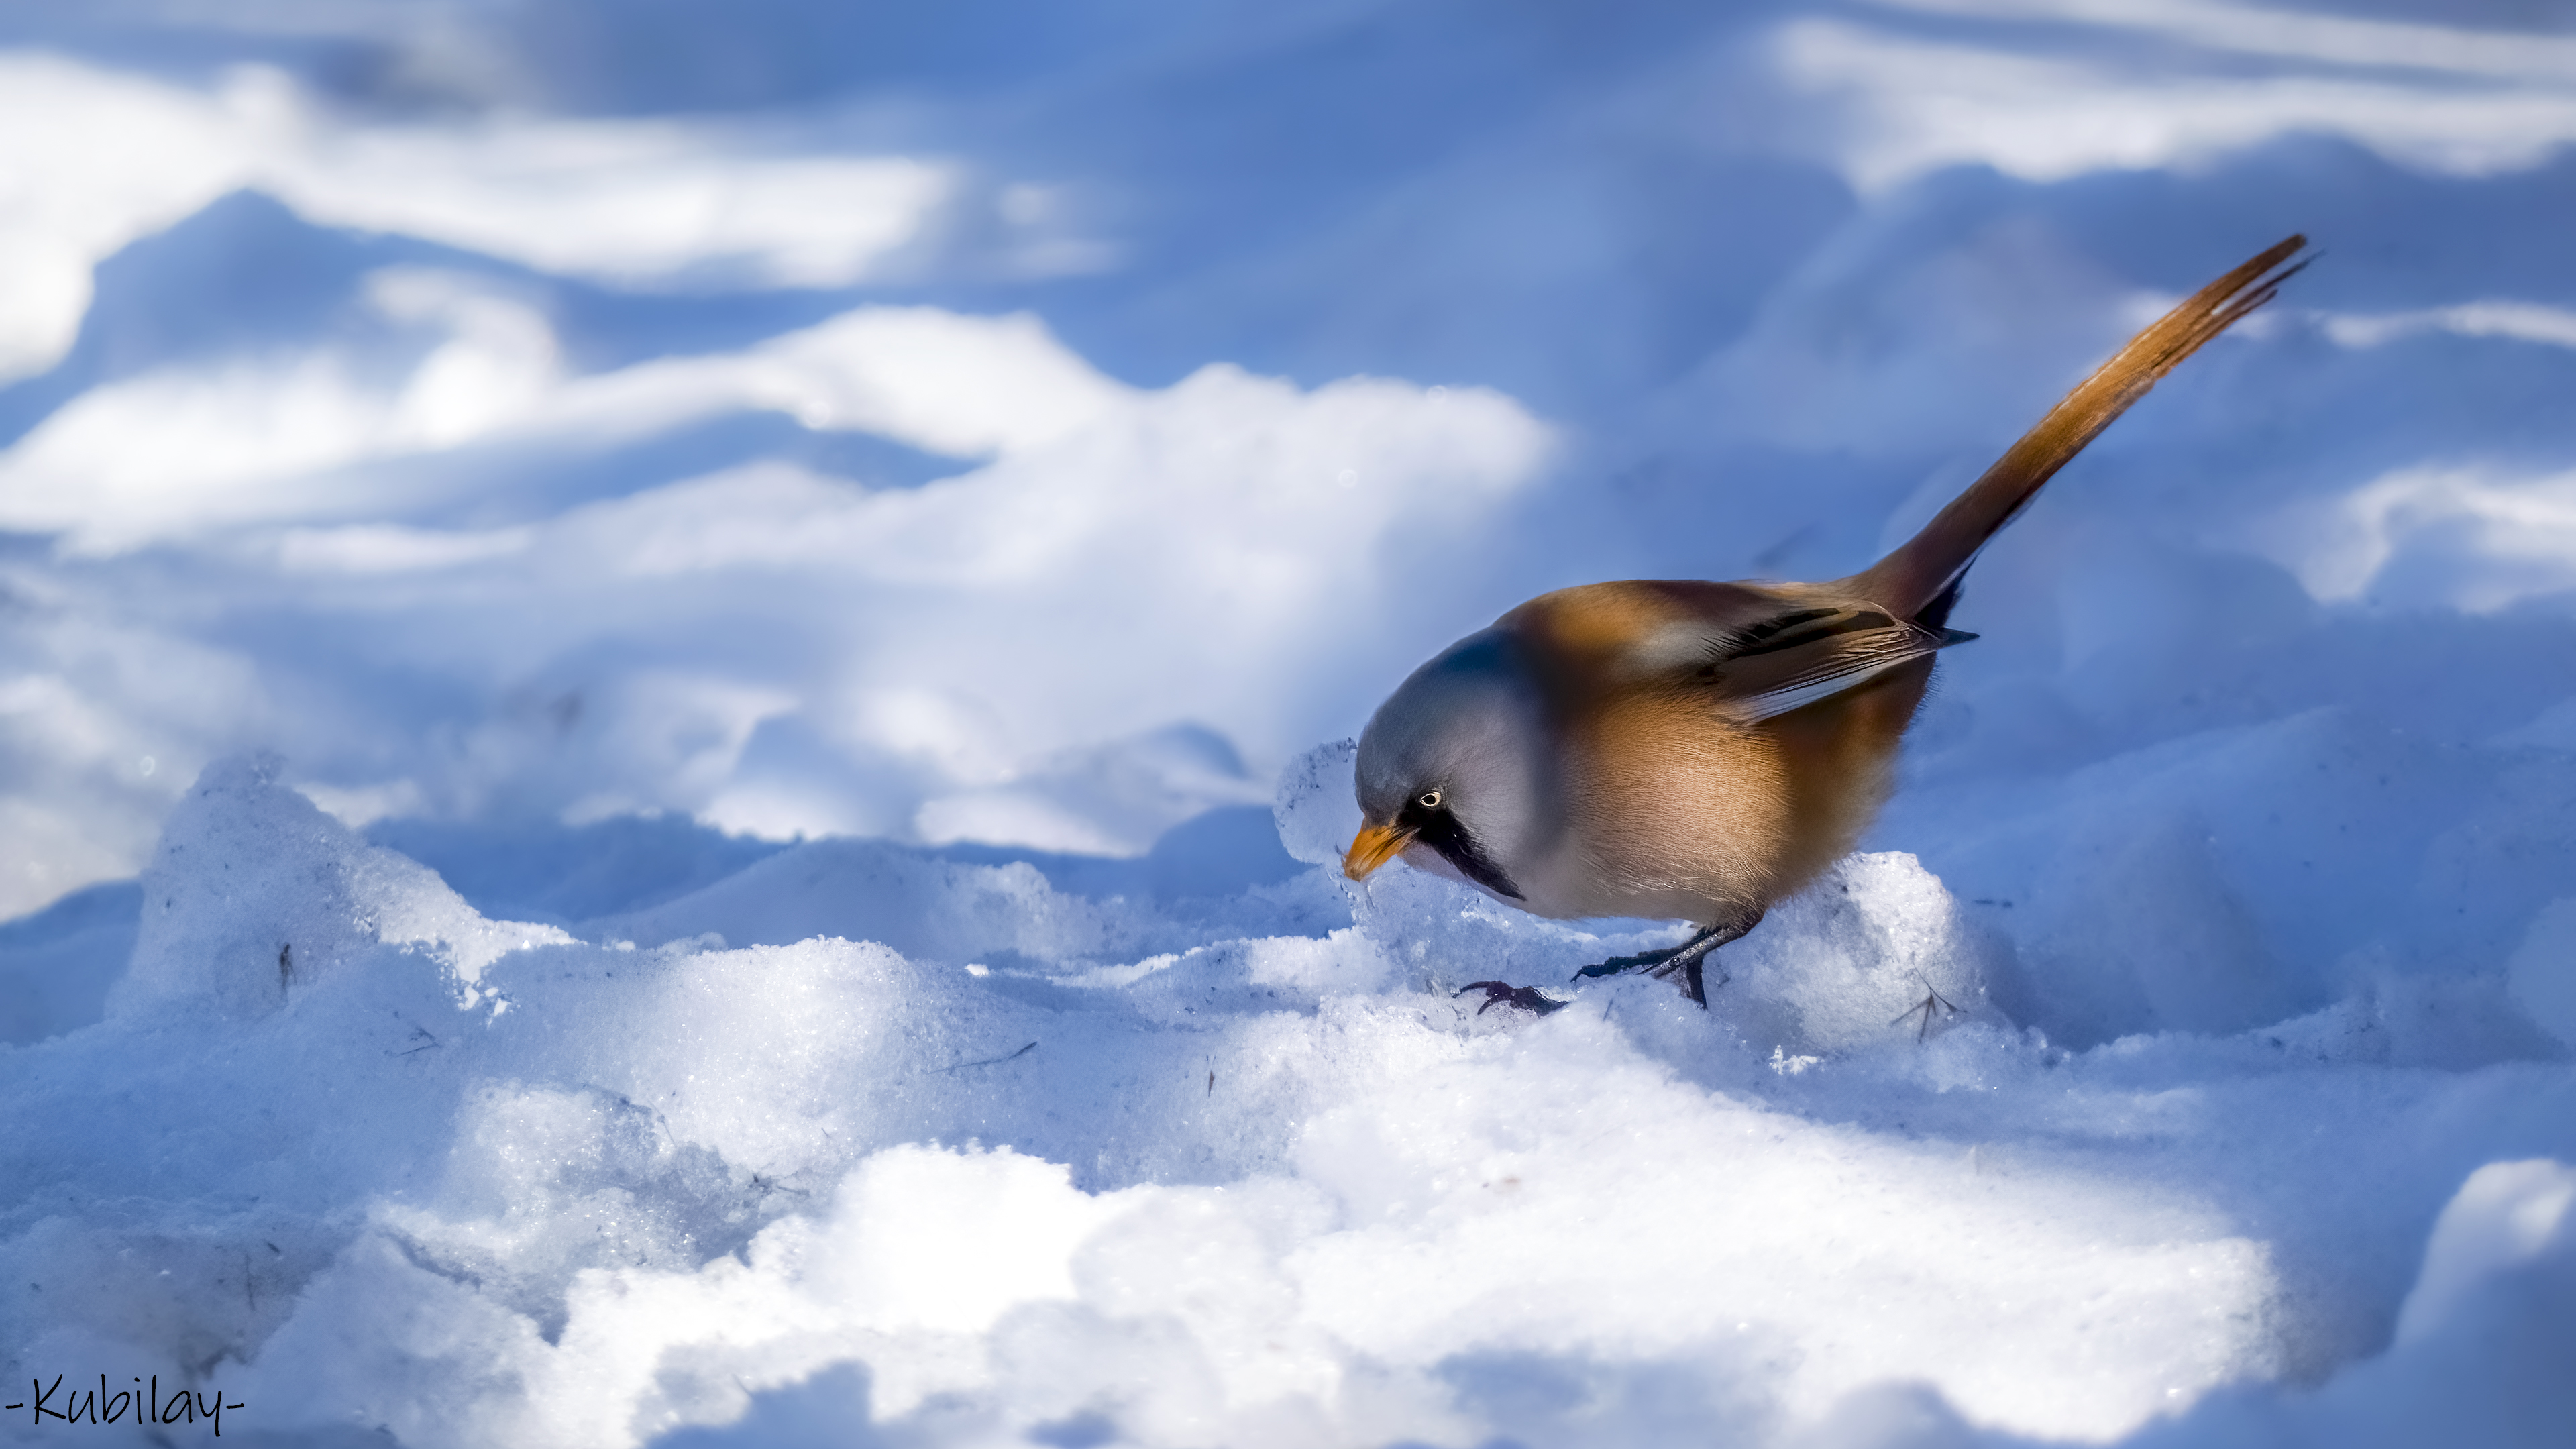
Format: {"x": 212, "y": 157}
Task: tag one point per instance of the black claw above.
{"x": 1524, "y": 997}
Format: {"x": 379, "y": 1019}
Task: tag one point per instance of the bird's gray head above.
{"x": 1456, "y": 761}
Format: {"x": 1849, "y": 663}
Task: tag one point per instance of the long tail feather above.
{"x": 1926, "y": 568}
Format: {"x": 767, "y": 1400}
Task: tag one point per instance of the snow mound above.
{"x": 1043, "y": 1163}
{"x": 286, "y": 876}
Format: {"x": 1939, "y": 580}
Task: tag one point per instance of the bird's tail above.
{"x": 1920, "y": 580}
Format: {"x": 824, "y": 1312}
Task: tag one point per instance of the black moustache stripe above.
{"x": 1440, "y": 830}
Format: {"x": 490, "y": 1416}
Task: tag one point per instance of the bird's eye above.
{"x": 1430, "y": 800}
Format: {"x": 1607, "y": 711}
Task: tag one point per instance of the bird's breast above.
{"x": 1674, "y": 808}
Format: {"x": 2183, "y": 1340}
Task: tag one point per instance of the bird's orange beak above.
{"x": 1374, "y": 846}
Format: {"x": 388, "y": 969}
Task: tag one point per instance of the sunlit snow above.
{"x": 675, "y": 688}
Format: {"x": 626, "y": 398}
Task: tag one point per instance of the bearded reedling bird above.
{"x": 1678, "y": 749}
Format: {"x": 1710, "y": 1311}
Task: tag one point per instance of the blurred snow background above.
{"x": 646, "y": 651}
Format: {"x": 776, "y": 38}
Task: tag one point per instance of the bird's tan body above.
{"x": 1678, "y": 805}
{"x": 1679, "y": 749}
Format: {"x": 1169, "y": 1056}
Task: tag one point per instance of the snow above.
{"x": 669, "y": 687}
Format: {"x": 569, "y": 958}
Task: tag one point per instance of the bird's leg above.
{"x": 1694, "y": 984}
{"x": 1689, "y": 958}
{"x": 1648, "y": 959}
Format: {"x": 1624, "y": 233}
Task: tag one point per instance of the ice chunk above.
{"x": 1318, "y": 806}
{"x": 253, "y": 891}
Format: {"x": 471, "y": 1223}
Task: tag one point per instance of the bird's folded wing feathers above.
{"x": 1798, "y": 658}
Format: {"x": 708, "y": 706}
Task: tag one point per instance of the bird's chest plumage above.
{"x": 1672, "y": 808}
{"x": 1680, "y": 808}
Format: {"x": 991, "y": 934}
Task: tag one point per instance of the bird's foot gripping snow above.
{"x": 1527, "y": 998}
{"x": 1690, "y": 958}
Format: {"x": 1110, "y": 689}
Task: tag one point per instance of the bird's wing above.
{"x": 1797, "y": 657}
